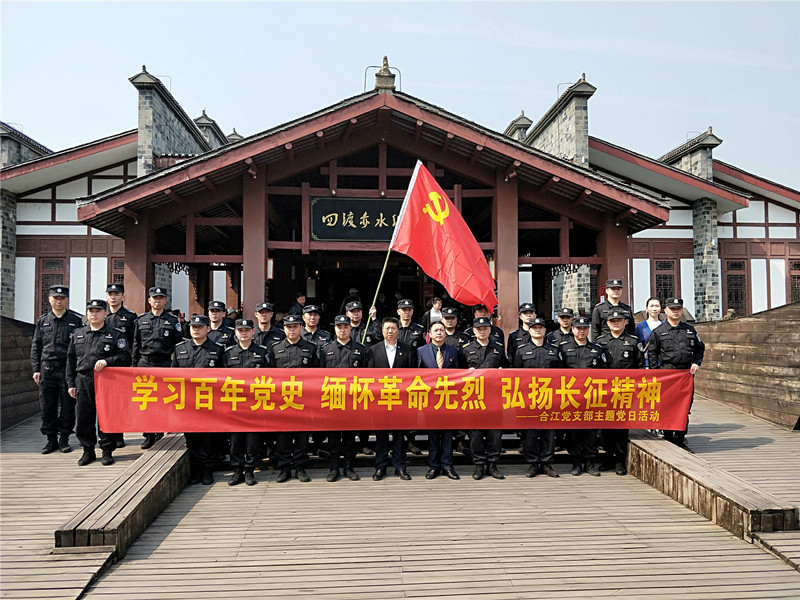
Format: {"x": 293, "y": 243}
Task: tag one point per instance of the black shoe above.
{"x": 682, "y": 445}
{"x": 532, "y": 471}
{"x": 351, "y": 474}
{"x": 451, "y": 474}
{"x": 403, "y": 474}
{"x": 237, "y": 477}
{"x": 576, "y": 469}
{"x": 494, "y": 472}
{"x": 63, "y": 444}
{"x": 196, "y": 478}
{"x": 120, "y": 443}
{"x": 549, "y": 471}
{"x": 149, "y": 441}
{"x": 87, "y": 457}
{"x": 50, "y": 446}
{"x": 592, "y": 470}
{"x": 433, "y": 473}
{"x": 249, "y": 477}
{"x": 322, "y": 453}
{"x": 302, "y": 476}
{"x": 333, "y": 475}
{"x": 208, "y": 477}
{"x": 414, "y": 449}
{"x": 367, "y": 451}
{"x": 620, "y": 469}
{"x": 107, "y": 459}
{"x": 284, "y": 476}
{"x": 379, "y": 474}
{"x": 479, "y": 472}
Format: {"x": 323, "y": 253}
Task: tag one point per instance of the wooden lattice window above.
{"x": 52, "y": 273}
{"x": 665, "y": 279}
{"x": 794, "y": 281}
{"x": 736, "y": 286}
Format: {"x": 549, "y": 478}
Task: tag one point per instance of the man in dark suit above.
{"x": 390, "y": 354}
{"x": 438, "y": 355}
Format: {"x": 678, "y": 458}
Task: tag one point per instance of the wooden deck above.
{"x": 572, "y": 537}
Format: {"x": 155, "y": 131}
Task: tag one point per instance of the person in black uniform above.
{"x": 601, "y": 310}
{"x": 155, "y": 335}
{"x": 496, "y": 335}
{"x": 48, "y": 363}
{"x": 580, "y": 353}
{"x": 455, "y": 338}
{"x": 245, "y": 446}
{"x": 623, "y": 351}
{"x": 311, "y": 331}
{"x": 220, "y": 332}
{"x": 485, "y": 445}
{"x": 342, "y": 353}
{"x": 390, "y": 354}
{"x": 91, "y": 349}
{"x": 354, "y": 310}
{"x": 299, "y": 303}
{"x": 293, "y": 352}
{"x": 527, "y": 313}
{"x": 118, "y": 316}
{"x": 676, "y": 345}
{"x": 538, "y": 445}
{"x": 197, "y": 353}
{"x": 267, "y": 334}
{"x": 564, "y": 331}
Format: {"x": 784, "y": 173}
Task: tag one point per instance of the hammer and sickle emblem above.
{"x": 437, "y": 214}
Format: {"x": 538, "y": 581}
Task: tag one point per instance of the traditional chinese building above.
{"x": 309, "y": 206}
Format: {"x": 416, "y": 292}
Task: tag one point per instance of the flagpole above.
{"x": 377, "y": 292}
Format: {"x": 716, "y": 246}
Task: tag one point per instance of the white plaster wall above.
{"x": 526, "y": 287}
{"x": 752, "y": 214}
{"x": 51, "y": 229}
{"x": 33, "y": 211}
{"x": 758, "y": 284}
{"x": 664, "y": 233}
{"x": 25, "y": 289}
{"x": 779, "y": 214}
{"x": 218, "y": 285}
{"x": 99, "y": 275}
{"x": 73, "y": 189}
{"x": 777, "y": 282}
{"x": 66, "y": 212}
{"x": 783, "y": 233}
{"x": 180, "y": 291}
{"x": 687, "y": 283}
{"x": 750, "y": 232}
{"x": 77, "y": 284}
{"x": 641, "y": 283}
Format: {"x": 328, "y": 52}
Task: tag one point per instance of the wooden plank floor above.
{"x": 38, "y": 493}
{"x": 573, "y": 537}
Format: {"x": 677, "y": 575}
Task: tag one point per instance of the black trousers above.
{"x": 292, "y": 449}
{"x": 615, "y": 443}
{"x": 201, "y": 450}
{"x": 440, "y": 453}
{"x": 245, "y": 449}
{"x": 582, "y": 444}
{"x": 485, "y": 445}
{"x": 342, "y": 443}
{"x": 58, "y": 407}
{"x": 156, "y": 361}
{"x": 382, "y": 450}
{"x": 87, "y": 430}
{"x": 539, "y": 445}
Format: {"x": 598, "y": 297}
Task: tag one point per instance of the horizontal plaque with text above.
{"x": 354, "y": 219}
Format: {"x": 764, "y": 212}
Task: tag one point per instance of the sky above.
{"x": 664, "y": 71}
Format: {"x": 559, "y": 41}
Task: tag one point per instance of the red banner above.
{"x": 152, "y": 399}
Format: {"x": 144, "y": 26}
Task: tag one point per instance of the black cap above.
{"x": 355, "y": 304}
{"x": 617, "y": 314}
{"x": 405, "y": 303}
{"x": 614, "y": 283}
{"x": 216, "y": 305}
{"x": 537, "y": 321}
{"x": 566, "y": 312}
{"x": 526, "y": 306}
{"x": 97, "y": 304}
{"x": 581, "y": 322}
{"x": 449, "y": 311}
{"x": 115, "y": 287}
{"x": 157, "y": 291}
{"x": 200, "y": 320}
{"x": 244, "y": 324}
{"x": 309, "y": 308}
{"x": 674, "y": 303}
{"x": 58, "y": 290}
{"x": 341, "y": 320}
{"x": 292, "y": 320}
{"x": 482, "y": 322}
{"x": 480, "y": 307}
{"x": 265, "y": 306}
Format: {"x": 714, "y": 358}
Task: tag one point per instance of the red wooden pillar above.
{"x": 505, "y": 220}
{"x": 254, "y": 247}
{"x": 139, "y": 268}
{"x": 612, "y": 247}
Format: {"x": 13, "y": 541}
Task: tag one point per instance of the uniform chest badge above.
{"x": 305, "y": 360}
{"x": 106, "y": 348}
{"x": 211, "y": 363}
{"x": 166, "y": 334}
{"x": 594, "y": 362}
{"x": 626, "y": 354}
{"x": 355, "y": 363}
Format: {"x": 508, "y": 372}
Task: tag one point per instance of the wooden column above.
{"x": 254, "y": 207}
{"x": 505, "y": 220}
{"x": 612, "y": 247}
{"x": 139, "y": 268}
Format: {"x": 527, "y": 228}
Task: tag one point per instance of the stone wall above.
{"x": 13, "y": 153}
{"x": 567, "y": 136}
{"x": 20, "y": 397}
{"x": 699, "y": 163}
{"x": 8, "y": 266}
{"x": 163, "y": 278}
{"x": 572, "y": 288}
{"x": 706, "y": 260}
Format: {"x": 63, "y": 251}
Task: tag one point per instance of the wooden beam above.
{"x": 581, "y": 198}
{"x": 255, "y": 205}
{"x": 382, "y": 160}
{"x": 129, "y": 213}
{"x": 333, "y": 175}
{"x": 280, "y": 245}
{"x": 625, "y": 214}
{"x": 233, "y": 211}
{"x": 549, "y": 183}
{"x": 511, "y": 171}
{"x": 174, "y": 196}
{"x": 505, "y": 219}
{"x": 563, "y": 237}
{"x": 457, "y": 196}
{"x": 199, "y": 258}
{"x": 558, "y": 260}
{"x": 475, "y": 154}
{"x": 206, "y": 182}
{"x": 418, "y": 130}
{"x": 447, "y": 140}
{"x": 289, "y": 151}
{"x": 251, "y": 169}
{"x": 539, "y": 225}
{"x": 190, "y": 237}
{"x": 219, "y": 221}
{"x": 349, "y": 128}
{"x": 321, "y": 140}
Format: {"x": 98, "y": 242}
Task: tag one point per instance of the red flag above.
{"x": 432, "y": 232}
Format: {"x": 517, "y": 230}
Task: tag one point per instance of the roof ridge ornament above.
{"x": 384, "y": 78}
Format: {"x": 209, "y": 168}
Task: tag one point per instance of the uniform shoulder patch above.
{"x": 122, "y": 343}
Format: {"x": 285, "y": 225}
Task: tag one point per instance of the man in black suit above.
{"x": 390, "y": 354}
{"x": 438, "y": 355}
